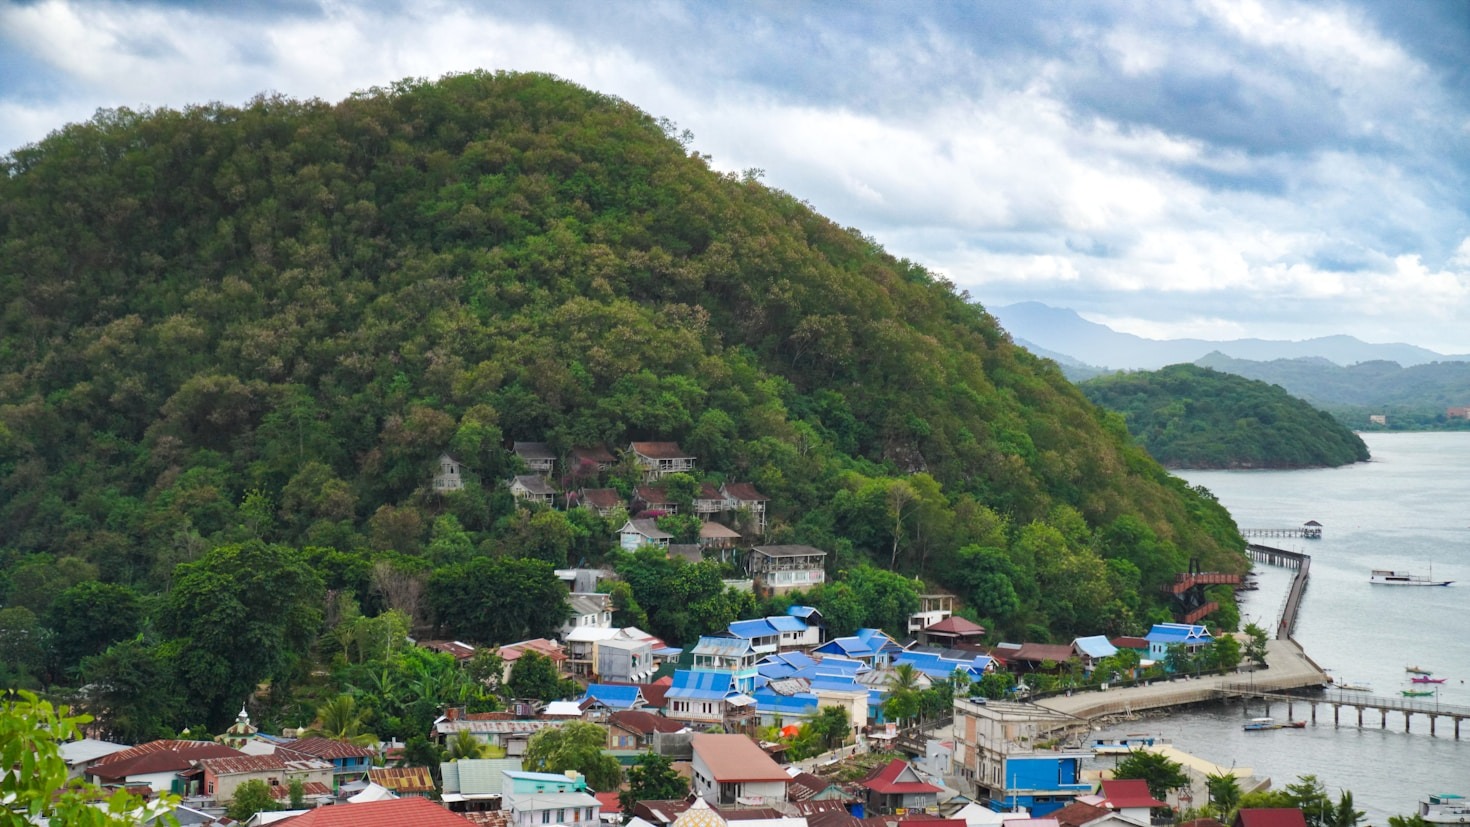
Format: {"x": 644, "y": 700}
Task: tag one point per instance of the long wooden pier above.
{"x": 1357, "y": 702}
{"x": 1312, "y": 530}
{"x": 1293, "y": 602}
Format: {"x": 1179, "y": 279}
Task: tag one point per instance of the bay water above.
{"x": 1408, "y": 509}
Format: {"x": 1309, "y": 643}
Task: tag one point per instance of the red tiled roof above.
{"x": 609, "y": 801}
{"x": 1126, "y": 642}
{"x": 744, "y": 491}
{"x": 885, "y": 780}
{"x": 601, "y": 497}
{"x": 955, "y": 625}
{"x": 329, "y": 749}
{"x": 310, "y": 788}
{"x": 1129, "y": 792}
{"x": 643, "y": 723}
{"x": 279, "y": 760}
{"x": 398, "y": 812}
{"x": 402, "y": 779}
{"x": 707, "y": 491}
{"x": 157, "y": 757}
{"x": 652, "y": 495}
{"x": 1078, "y": 814}
{"x": 1270, "y": 817}
{"x": 511, "y": 652}
{"x": 661, "y": 450}
{"x": 594, "y": 453}
{"x": 1058, "y": 653}
{"x": 735, "y": 757}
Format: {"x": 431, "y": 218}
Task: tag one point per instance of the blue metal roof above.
{"x": 616, "y": 697}
{"x": 1177, "y": 633}
{"x": 935, "y": 665}
{"x": 769, "y": 701}
{"x": 786, "y": 623}
{"x": 752, "y": 629}
{"x": 1096, "y": 646}
{"x": 731, "y": 647}
{"x": 803, "y": 612}
{"x": 704, "y": 686}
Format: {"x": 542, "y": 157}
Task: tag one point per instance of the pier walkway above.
{"x": 1356, "y": 702}
{"x": 1293, "y": 602}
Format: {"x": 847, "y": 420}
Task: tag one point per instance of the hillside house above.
{"x": 1130, "y": 798}
{"x": 475, "y": 785}
{"x": 157, "y": 765}
{"x": 349, "y": 761}
{"x": 953, "y": 632}
{"x": 715, "y": 535}
{"x": 602, "y": 500}
{"x": 587, "y": 610}
{"x": 642, "y": 532}
{"x": 781, "y": 569}
{"x": 932, "y": 609}
{"x": 536, "y": 456}
{"x": 404, "y": 782}
{"x": 1163, "y": 635}
{"x": 660, "y": 458}
{"x": 654, "y": 498}
{"x": 447, "y": 474}
{"x": 533, "y": 488}
{"x": 895, "y": 789}
{"x": 708, "y": 501}
{"x": 1092, "y": 649}
{"x": 591, "y": 459}
{"x": 549, "y": 649}
{"x": 732, "y": 769}
{"x": 742, "y": 496}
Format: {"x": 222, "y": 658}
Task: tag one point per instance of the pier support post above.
{"x": 1432, "y": 720}
{"x": 1336, "y": 708}
{"x": 1407, "y": 717}
{"x": 1383, "y": 724}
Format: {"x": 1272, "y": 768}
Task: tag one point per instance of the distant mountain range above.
{"x": 1348, "y": 377}
{"x": 1072, "y": 341}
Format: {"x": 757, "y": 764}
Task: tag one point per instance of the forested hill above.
{"x": 267, "y": 322}
{"x": 1193, "y": 417}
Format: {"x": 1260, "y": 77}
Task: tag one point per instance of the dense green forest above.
{"x": 237, "y": 338}
{"x": 1412, "y": 398}
{"x": 1192, "y": 417}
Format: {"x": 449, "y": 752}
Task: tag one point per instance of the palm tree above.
{"x": 903, "y": 692}
{"x": 464, "y": 744}
{"x": 1224, "y": 792}
{"x": 340, "y": 720}
{"x": 1343, "y": 815}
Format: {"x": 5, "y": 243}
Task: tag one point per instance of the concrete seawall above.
{"x": 1289, "y": 668}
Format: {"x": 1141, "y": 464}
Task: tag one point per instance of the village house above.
{"x": 497, "y": 729}
{"x": 602, "y": 700}
{"x": 732, "y": 769}
{"x": 604, "y": 501}
{"x": 953, "y": 632}
{"x": 549, "y": 649}
{"x": 447, "y": 476}
{"x": 536, "y": 456}
{"x": 717, "y": 536}
{"x": 223, "y": 776}
{"x": 1079, "y": 814}
{"x": 998, "y": 752}
{"x": 1164, "y": 635}
{"x": 588, "y": 610}
{"x": 781, "y": 569}
{"x": 1130, "y": 798}
{"x": 533, "y": 488}
{"x": 475, "y": 785}
{"x": 79, "y": 755}
{"x": 873, "y": 647}
{"x": 536, "y": 798}
{"x": 932, "y": 609}
{"x": 349, "y": 761}
{"x": 642, "y": 725}
{"x": 591, "y": 459}
{"x": 642, "y": 532}
{"x": 404, "y": 782}
{"x": 660, "y": 458}
{"x": 1092, "y": 649}
{"x": 742, "y": 496}
{"x": 399, "y": 812}
{"x": 708, "y": 501}
{"x": 155, "y": 764}
{"x": 895, "y": 789}
{"x": 654, "y": 498}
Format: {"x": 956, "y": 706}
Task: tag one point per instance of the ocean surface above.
{"x": 1408, "y": 509}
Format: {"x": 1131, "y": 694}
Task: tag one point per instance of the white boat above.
{"x": 1441, "y": 808}
{"x": 1384, "y": 577}
{"x": 1348, "y": 686}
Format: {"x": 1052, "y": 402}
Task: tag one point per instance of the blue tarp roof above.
{"x": 705, "y": 686}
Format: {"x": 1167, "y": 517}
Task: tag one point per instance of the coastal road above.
{"x": 1289, "y": 668}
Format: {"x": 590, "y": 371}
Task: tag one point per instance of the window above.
{"x": 545, "y": 816}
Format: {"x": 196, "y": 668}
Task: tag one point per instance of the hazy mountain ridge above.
{"x": 1064, "y": 332}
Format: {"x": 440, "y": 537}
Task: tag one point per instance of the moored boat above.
{"x": 1417, "y": 693}
{"x": 1417, "y": 670}
{"x": 1352, "y": 687}
{"x": 1385, "y": 577}
{"x": 1261, "y": 724}
{"x": 1425, "y": 679}
{"x": 1443, "y": 808}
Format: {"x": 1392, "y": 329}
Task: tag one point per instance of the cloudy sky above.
{"x": 1217, "y": 169}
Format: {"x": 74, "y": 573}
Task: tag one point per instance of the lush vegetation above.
{"x": 1412, "y": 398}
{"x": 1192, "y": 417}
{"x": 236, "y": 339}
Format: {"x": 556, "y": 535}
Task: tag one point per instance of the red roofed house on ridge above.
{"x": 1130, "y": 798}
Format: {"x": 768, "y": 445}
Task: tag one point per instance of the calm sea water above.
{"x": 1407, "y": 509}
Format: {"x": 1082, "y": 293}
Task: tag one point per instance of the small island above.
{"x": 1188, "y": 416}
